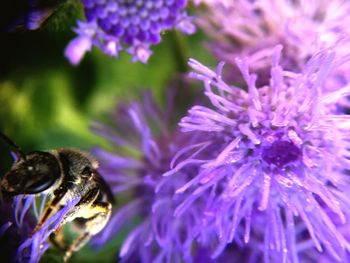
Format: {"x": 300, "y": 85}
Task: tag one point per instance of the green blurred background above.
{"x": 46, "y": 103}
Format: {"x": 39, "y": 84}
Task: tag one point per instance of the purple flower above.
{"x": 275, "y": 157}
{"x": 18, "y": 219}
{"x": 33, "y": 248}
{"x": 142, "y": 147}
{"x": 253, "y": 28}
{"x": 134, "y": 26}
{"x": 21, "y": 218}
{"x": 19, "y": 227}
{"x": 12, "y": 234}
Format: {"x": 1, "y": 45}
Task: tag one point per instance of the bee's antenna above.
{"x": 19, "y": 154}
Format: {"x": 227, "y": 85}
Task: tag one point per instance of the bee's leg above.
{"x": 53, "y": 207}
{"x": 57, "y": 239}
{"x": 76, "y": 245}
{"x": 99, "y": 214}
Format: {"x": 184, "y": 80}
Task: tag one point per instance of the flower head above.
{"x": 275, "y": 155}
{"x": 115, "y": 25}
{"x": 12, "y": 234}
{"x": 21, "y": 220}
{"x": 253, "y": 28}
{"x": 146, "y": 144}
{"x": 19, "y": 215}
{"x": 33, "y": 248}
{"x": 18, "y": 224}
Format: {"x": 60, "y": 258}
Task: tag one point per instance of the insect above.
{"x": 65, "y": 174}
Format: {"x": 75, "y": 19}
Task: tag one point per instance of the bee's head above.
{"x": 32, "y": 174}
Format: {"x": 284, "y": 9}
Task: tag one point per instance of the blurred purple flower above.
{"x": 17, "y": 225}
{"x": 11, "y": 233}
{"x": 142, "y": 147}
{"x": 242, "y": 28}
{"x": 274, "y": 156}
{"x": 113, "y": 26}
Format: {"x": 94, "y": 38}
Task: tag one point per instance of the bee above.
{"x": 65, "y": 174}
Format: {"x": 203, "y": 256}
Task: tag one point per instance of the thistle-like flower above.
{"x": 34, "y": 247}
{"x": 253, "y": 28}
{"x": 143, "y": 131}
{"x": 114, "y": 25}
{"x": 13, "y": 232}
{"x": 24, "y": 245}
{"x": 275, "y": 156}
{"x": 18, "y": 222}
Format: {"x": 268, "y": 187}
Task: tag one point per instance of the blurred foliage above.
{"x": 47, "y": 103}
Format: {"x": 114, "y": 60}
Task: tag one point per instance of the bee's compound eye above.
{"x": 42, "y": 172}
{"x": 39, "y": 186}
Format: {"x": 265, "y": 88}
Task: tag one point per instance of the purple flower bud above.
{"x": 77, "y": 48}
{"x": 133, "y": 26}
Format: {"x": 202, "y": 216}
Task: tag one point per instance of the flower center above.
{"x": 281, "y": 153}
